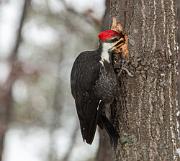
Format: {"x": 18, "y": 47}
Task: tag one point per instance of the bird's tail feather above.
{"x": 91, "y": 131}
{"x": 88, "y": 121}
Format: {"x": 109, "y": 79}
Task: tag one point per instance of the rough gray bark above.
{"x": 178, "y": 20}
{"x": 145, "y": 114}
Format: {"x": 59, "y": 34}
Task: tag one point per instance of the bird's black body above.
{"x": 93, "y": 86}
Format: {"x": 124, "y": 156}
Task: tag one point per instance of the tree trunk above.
{"x": 145, "y": 113}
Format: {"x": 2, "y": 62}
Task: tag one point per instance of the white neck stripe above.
{"x": 105, "y": 54}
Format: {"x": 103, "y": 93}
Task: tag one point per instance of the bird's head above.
{"x": 109, "y": 36}
{"x": 112, "y": 41}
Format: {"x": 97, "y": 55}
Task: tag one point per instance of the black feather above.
{"x": 84, "y": 74}
{"x": 91, "y": 84}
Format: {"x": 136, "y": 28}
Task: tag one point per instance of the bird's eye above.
{"x": 114, "y": 39}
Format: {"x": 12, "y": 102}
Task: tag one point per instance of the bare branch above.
{"x": 87, "y": 15}
{"x": 19, "y": 30}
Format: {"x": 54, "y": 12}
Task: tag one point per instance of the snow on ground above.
{"x": 32, "y": 144}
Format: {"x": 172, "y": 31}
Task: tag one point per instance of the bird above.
{"x": 94, "y": 86}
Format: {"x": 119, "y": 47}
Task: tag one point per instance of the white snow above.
{"x": 32, "y": 144}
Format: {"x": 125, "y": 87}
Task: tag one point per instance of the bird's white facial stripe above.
{"x": 101, "y": 61}
{"x": 98, "y": 105}
{"x": 105, "y": 54}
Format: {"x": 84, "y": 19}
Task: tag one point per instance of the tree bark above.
{"x": 145, "y": 112}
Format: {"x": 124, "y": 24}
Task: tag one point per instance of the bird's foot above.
{"x": 124, "y": 67}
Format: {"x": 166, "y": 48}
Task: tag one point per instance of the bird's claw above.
{"x": 124, "y": 68}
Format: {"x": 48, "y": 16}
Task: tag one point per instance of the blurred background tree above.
{"x": 39, "y": 42}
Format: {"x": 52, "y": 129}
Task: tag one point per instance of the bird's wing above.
{"x": 88, "y": 119}
{"x": 84, "y": 74}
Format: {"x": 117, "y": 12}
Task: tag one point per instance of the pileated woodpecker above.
{"x": 94, "y": 86}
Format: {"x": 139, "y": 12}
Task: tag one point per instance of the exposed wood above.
{"x": 122, "y": 48}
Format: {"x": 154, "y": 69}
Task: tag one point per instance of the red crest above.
{"x": 107, "y": 34}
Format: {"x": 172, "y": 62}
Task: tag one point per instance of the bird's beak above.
{"x": 121, "y": 47}
{"x": 110, "y": 51}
